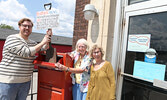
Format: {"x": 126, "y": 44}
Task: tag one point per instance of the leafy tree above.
{"x": 6, "y": 26}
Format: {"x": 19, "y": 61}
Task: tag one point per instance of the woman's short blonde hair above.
{"x": 82, "y": 40}
{"x": 96, "y": 47}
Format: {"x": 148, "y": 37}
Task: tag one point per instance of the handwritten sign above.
{"x": 149, "y": 71}
{"x": 47, "y": 19}
{"x": 139, "y": 42}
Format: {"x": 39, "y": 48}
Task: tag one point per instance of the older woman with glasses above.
{"x": 102, "y": 79}
{"x": 80, "y": 73}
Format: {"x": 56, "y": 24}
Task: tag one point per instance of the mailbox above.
{"x": 54, "y": 84}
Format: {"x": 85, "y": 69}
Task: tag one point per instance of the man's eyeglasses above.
{"x": 29, "y": 26}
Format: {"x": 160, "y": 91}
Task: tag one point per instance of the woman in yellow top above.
{"x": 102, "y": 79}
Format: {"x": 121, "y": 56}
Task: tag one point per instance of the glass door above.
{"x": 144, "y": 55}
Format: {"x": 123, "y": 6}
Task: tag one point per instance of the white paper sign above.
{"x": 47, "y": 19}
{"x": 139, "y": 42}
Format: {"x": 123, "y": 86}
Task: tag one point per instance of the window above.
{"x": 154, "y": 24}
{"x": 135, "y": 1}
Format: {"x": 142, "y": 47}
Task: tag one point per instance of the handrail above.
{"x": 129, "y": 75}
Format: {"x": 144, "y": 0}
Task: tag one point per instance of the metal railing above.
{"x": 34, "y": 85}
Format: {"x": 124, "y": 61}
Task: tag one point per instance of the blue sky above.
{"x": 11, "y": 11}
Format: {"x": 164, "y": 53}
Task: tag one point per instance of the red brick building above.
{"x": 62, "y": 44}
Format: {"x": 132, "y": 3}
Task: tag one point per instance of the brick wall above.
{"x": 80, "y": 24}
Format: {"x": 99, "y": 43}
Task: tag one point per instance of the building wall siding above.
{"x": 62, "y": 48}
{"x": 1, "y": 48}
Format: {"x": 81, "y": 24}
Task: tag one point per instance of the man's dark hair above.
{"x": 24, "y": 19}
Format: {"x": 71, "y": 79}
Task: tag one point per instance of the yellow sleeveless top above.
{"x": 78, "y": 76}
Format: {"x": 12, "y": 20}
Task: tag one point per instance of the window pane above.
{"x": 139, "y": 90}
{"x": 135, "y": 1}
{"x": 156, "y": 25}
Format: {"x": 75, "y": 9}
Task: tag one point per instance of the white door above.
{"x": 146, "y": 27}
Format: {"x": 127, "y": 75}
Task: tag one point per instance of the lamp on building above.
{"x": 48, "y": 6}
{"x": 90, "y": 12}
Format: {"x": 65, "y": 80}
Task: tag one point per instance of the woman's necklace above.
{"x": 98, "y": 65}
{"x": 99, "y": 62}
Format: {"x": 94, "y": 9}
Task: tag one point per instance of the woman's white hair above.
{"x": 82, "y": 40}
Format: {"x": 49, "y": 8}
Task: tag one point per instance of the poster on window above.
{"x": 139, "y": 42}
{"x": 149, "y": 71}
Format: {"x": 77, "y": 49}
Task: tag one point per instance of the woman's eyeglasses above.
{"x": 96, "y": 52}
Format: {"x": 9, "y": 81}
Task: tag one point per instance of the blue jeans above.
{"x": 83, "y": 95}
{"x": 14, "y": 91}
{"x": 77, "y": 94}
